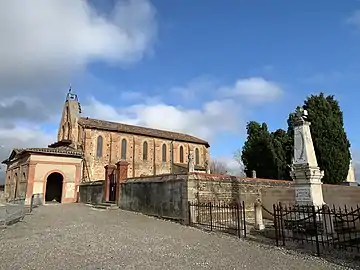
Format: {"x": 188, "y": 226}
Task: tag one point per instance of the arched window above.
{"x": 99, "y": 146}
{"x": 164, "y": 153}
{"x": 181, "y": 154}
{"x": 123, "y": 149}
{"x": 145, "y": 151}
{"x": 197, "y": 158}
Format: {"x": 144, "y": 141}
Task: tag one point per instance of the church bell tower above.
{"x": 68, "y": 129}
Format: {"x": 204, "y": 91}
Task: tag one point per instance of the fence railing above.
{"x": 320, "y": 228}
{"x": 229, "y": 218}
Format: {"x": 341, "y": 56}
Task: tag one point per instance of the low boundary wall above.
{"x": 91, "y": 192}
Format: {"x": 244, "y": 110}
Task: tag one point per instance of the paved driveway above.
{"x": 75, "y": 236}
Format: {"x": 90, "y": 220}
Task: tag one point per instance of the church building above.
{"x": 86, "y": 146}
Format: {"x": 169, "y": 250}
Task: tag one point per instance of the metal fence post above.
{"x": 238, "y": 219}
{"x": 244, "y": 218}
{"x": 281, "y": 215}
{"x": 276, "y": 225}
{"x": 211, "y": 218}
{"x": 189, "y": 213}
{"x": 316, "y": 231}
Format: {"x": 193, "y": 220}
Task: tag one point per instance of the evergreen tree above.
{"x": 331, "y": 145}
{"x": 258, "y": 152}
{"x": 282, "y": 144}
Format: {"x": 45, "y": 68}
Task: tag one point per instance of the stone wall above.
{"x": 91, "y": 192}
{"x": 341, "y": 195}
{"x": 337, "y": 195}
{"x": 111, "y": 154}
{"x": 168, "y": 195}
{"x": 162, "y": 196}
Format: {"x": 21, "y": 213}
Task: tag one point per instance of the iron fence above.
{"x": 12, "y": 211}
{"x": 319, "y": 228}
{"x": 229, "y": 218}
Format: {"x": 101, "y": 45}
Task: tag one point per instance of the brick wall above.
{"x": 111, "y": 153}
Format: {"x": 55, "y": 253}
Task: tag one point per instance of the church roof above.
{"x": 60, "y": 151}
{"x": 138, "y": 130}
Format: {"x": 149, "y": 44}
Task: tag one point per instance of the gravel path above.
{"x": 75, "y": 236}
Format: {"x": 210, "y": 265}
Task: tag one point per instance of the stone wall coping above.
{"x": 92, "y": 183}
{"x": 158, "y": 178}
{"x": 232, "y": 178}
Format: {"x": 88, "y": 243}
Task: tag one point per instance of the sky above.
{"x": 205, "y": 69}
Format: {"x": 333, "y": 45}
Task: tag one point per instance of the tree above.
{"x": 331, "y": 145}
{"x": 258, "y": 152}
{"x": 217, "y": 167}
{"x": 282, "y": 144}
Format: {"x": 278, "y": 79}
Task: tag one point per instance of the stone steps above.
{"x": 106, "y": 206}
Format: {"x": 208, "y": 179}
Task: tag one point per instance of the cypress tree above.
{"x": 258, "y": 152}
{"x": 331, "y": 144}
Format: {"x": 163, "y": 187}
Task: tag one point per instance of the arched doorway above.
{"x": 54, "y": 186}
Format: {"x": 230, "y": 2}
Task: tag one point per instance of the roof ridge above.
{"x": 186, "y": 137}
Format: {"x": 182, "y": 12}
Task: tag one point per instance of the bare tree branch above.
{"x": 218, "y": 167}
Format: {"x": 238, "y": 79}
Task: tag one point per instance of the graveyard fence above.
{"x": 321, "y": 229}
{"x": 224, "y": 217}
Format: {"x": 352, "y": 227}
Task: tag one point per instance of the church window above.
{"x": 123, "y": 149}
{"x": 181, "y": 154}
{"x": 145, "y": 151}
{"x": 164, "y": 153}
{"x": 99, "y": 146}
{"x": 197, "y": 158}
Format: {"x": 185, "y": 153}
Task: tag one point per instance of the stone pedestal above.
{"x": 308, "y": 185}
{"x": 304, "y": 168}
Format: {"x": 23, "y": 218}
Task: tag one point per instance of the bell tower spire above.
{"x": 68, "y": 129}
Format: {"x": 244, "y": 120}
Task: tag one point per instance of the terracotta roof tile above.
{"x": 157, "y": 133}
{"x": 59, "y": 150}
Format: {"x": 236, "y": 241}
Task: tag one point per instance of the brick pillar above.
{"x": 30, "y": 184}
{"x": 122, "y": 170}
{"x": 109, "y": 169}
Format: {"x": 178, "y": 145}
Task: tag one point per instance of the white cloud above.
{"x": 354, "y": 19}
{"x": 254, "y": 89}
{"x": 206, "y": 120}
{"x": 41, "y": 34}
{"x": 212, "y": 117}
{"x": 44, "y": 42}
{"x": 22, "y": 136}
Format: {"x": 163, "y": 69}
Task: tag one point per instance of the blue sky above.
{"x": 304, "y": 46}
{"x": 204, "y": 68}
